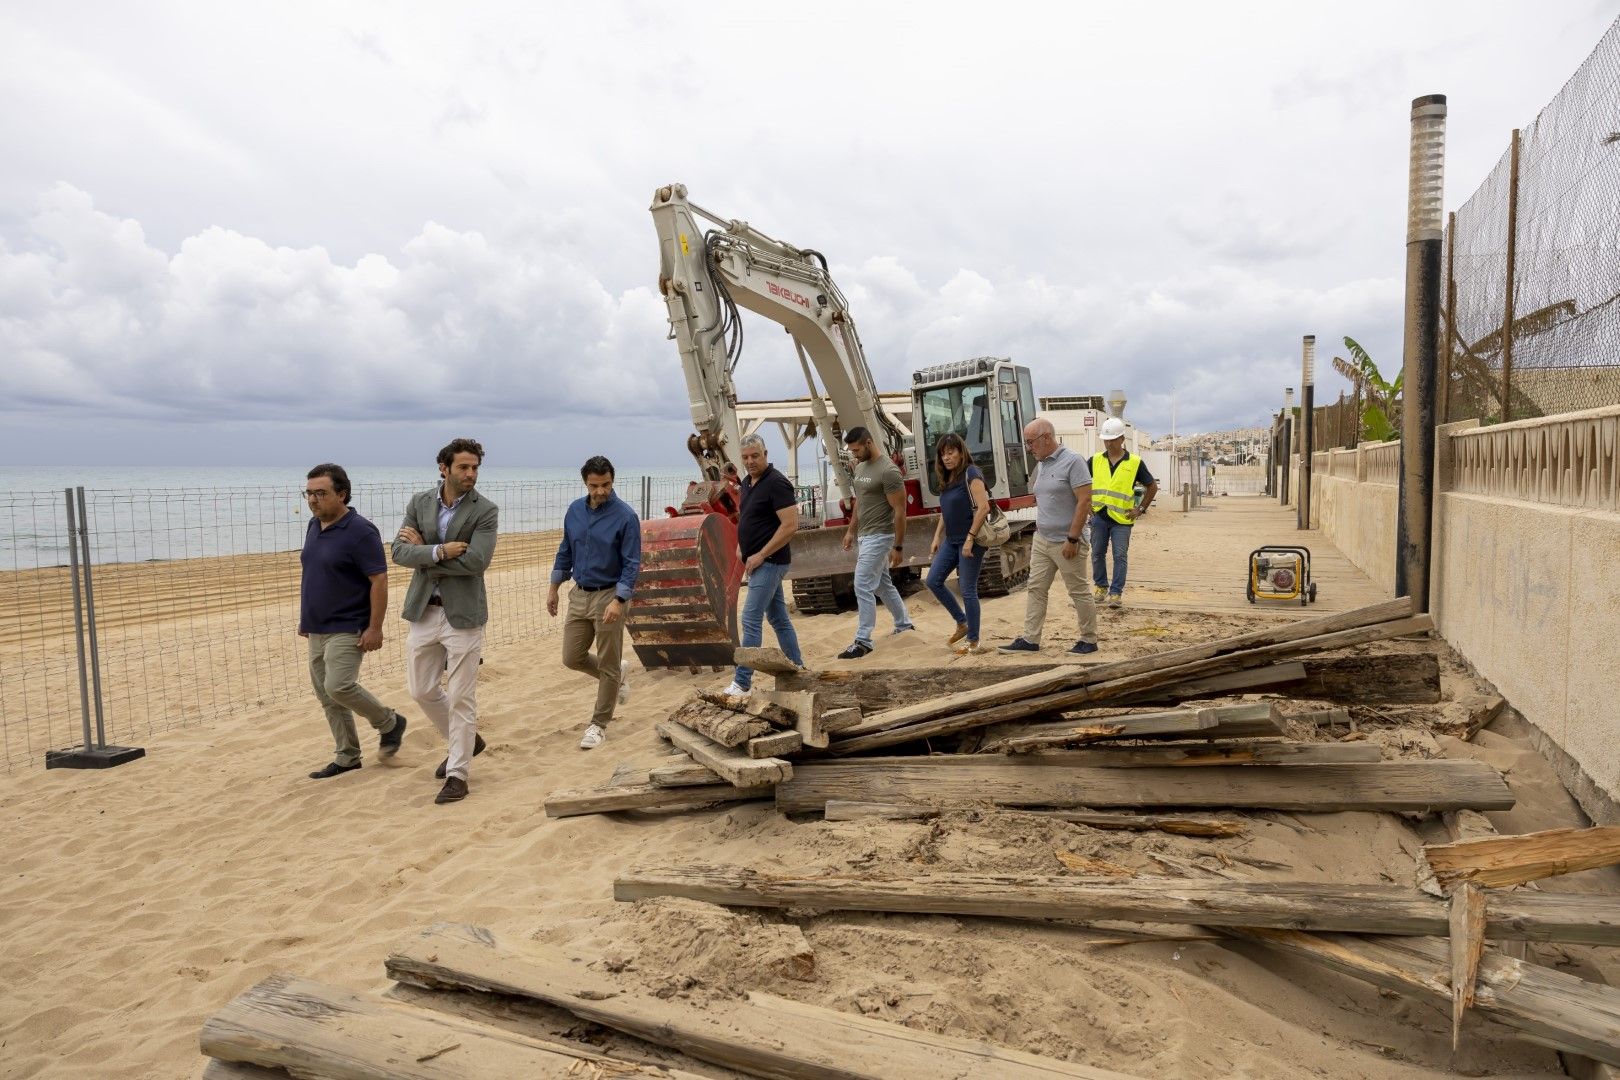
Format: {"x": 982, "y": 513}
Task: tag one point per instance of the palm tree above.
{"x": 1380, "y": 416}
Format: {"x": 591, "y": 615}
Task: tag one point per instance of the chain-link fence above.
{"x": 1533, "y": 262}
{"x": 196, "y": 601}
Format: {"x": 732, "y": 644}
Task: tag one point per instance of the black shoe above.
{"x": 478, "y": 748}
{"x": 454, "y": 790}
{"x": 388, "y": 742}
{"x": 1083, "y": 647}
{"x": 855, "y": 651}
{"x": 334, "y": 769}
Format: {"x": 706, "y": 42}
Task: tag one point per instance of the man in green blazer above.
{"x": 448, "y": 538}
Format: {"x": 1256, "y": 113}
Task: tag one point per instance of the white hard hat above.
{"x": 1113, "y": 428}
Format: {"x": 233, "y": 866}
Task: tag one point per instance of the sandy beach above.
{"x": 135, "y": 902}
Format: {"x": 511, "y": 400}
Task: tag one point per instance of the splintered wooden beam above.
{"x": 839, "y": 810}
{"x": 805, "y": 709}
{"x": 560, "y": 804}
{"x": 773, "y": 661}
{"x": 884, "y": 730}
{"x": 1020, "y": 738}
{"x": 1467, "y": 926}
{"x": 725, "y": 726}
{"x": 1543, "y": 1005}
{"x": 686, "y": 773}
{"x": 759, "y": 1036}
{"x": 1362, "y": 909}
{"x": 777, "y": 744}
{"x": 757, "y": 706}
{"x": 735, "y": 766}
{"x": 313, "y": 1030}
{"x": 1387, "y": 785}
{"x": 1499, "y": 861}
{"x": 1046, "y": 683}
{"x": 1237, "y": 753}
{"x": 1384, "y": 679}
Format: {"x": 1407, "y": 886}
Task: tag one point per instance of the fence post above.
{"x": 97, "y": 755}
{"x": 1307, "y": 419}
{"x": 1442, "y": 404}
{"x": 646, "y": 498}
{"x": 1507, "y": 302}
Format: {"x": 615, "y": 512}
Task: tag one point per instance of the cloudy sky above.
{"x": 269, "y": 233}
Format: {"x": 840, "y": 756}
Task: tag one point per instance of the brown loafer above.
{"x": 961, "y": 632}
{"x": 478, "y": 748}
{"x": 454, "y": 790}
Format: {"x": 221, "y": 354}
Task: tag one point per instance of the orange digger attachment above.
{"x": 685, "y": 609}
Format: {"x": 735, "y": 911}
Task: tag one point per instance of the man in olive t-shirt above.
{"x": 877, "y": 530}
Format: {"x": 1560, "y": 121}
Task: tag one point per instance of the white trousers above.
{"x": 436, "y": 650}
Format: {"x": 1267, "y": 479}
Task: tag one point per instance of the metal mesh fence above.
{"x": 196, "y": 601}
{"x": 1533, "y": 262}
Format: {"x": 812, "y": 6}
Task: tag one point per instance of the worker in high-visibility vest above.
{"x": 1116, "y": 474}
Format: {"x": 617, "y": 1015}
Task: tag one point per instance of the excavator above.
{"x": 711, "y": 268}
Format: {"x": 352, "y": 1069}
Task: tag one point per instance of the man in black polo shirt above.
{"x": 342, "y": 600}
{"x": 766, "y": 522}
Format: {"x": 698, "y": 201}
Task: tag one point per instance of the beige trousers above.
{"x": 437, "y": 652}
{"x": 334, "y": 669}
{"x": 1046, "y": 561}
{"x": 581, "y": 629}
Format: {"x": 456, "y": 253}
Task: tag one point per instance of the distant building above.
{"x": 1077, "y": 419}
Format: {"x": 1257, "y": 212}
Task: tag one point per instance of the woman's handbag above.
{"x": 995, "y": 530}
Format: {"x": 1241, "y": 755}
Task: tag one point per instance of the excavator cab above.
{"x": 987, "y": 401}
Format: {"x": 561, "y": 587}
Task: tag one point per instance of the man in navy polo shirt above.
{"x": 600, "y": 551}
{"x": 342, "y": 600}
{"x": 766, "y": 522}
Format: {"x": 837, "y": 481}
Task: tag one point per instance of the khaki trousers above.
{"x": 1046, "y": 561}
{"x": 334, "y": 669}
{"x": 435, "y": 650}
{"x": 583, "y": 628}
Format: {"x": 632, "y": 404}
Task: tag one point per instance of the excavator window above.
{"x": 969, "y": 410}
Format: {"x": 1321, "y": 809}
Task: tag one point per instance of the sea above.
{"x": 138, "y": 513}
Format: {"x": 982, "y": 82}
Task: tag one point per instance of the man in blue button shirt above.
{"x": 601, "y": 552}
{"x": 342, "y": 597}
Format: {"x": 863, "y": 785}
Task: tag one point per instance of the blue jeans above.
{"x": 949, "y": 557}
{"x": 873, "y": 583}
{"x": 1104, "y": 529}
{"x": 766, "y": 602}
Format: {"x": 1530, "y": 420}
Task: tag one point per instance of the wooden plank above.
{"x": 761, "y": 1036}
{"x": 560, "y": 804}
{"x": 1389, "y": 785}
{"x": 836, "y": 720}
{"x": 728, "y": 727}
{"x": 869, "y": 736}
{"x": 1500, "y": 861}
{"x": 1044, "y": 683}
{"x": 1383, "y": 679}
{"x": 238, "y": 1070}
{"x": 759, "y": 707}
{"x": 1182, "y": 722}
{"x": 875, "y": 689}
{"x": 1239, "y": 753}
{"x": 1484, "y": 716}
{"x": 806, "y": 710}
{"x": 773, "y": 661}
{"x": 839, "y": 810}
{"x": 1544, "y": 1006}
{"x": 1236, "y": 682}
{"x": 687, "y": 773}
{"x": 775, "y": 745}
{"x": 1467, "y": 927}
{"x": 315, "y": 1030}
{"x": 736, "y": 767}
{"x": 1300, "y": 905}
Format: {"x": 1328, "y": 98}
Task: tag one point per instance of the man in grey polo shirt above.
{"x": 1062, "y": 489}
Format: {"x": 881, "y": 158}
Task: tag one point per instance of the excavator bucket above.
{"x": 685, "y": 609}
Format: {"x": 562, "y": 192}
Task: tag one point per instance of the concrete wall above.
{"x": 1525, "y": 578}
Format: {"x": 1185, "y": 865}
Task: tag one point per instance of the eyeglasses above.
{"x": 1036, "y": 439}
{"x": 318, "y": 494}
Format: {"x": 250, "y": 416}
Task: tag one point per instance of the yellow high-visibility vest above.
{"x": 1114, "y": 489}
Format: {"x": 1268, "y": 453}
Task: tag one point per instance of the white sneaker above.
{"x": 733, "y": 690}
{"x": 624, "y": 681}
{"x": 592, "y": 738}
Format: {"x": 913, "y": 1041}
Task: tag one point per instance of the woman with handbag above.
{"x": 964, "y": 503}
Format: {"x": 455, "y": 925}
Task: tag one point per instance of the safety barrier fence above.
{"x": 195, "y": 600}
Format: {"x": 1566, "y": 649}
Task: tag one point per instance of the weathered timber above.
{"x": 840, "y": 719}
{"x": 806, "y": 710}
{"x": 1544, "y": 1006}
{"x": 1241, "y": 753}
{"x": 1500, "y": 861}
{"x": 1300, "y": 905}
{"x": 1467, "y": 927}
{"x": 1075, "y": 734}
{"x": 1182, "y": 723}
{"x": 838, "y": 810}
{"x": 1387, "y": 785}
{"x": 627, "y": 774}
{"x": 1045, "y": 683}
{"x": 241, "y": 1070}
{"x": 1484, "y": 716}
{"x": 1338, "y": 716}
{"x": 735, "y": 766}
{"x": 560, "y": 804}
{"x": 759, "y": 707}
{"x": 874, "y": 690}
{"x": 774, "y": 661}
{"x": 763, "y": 1036}
{"x": 1385, "y": 679}
{"x": 1112, "y": 690}
{"x": 775, "y": 744}
{"x": 718, "y": 723}
{"x": 310, "y": 1029}
{"x": 687, "y": 773}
